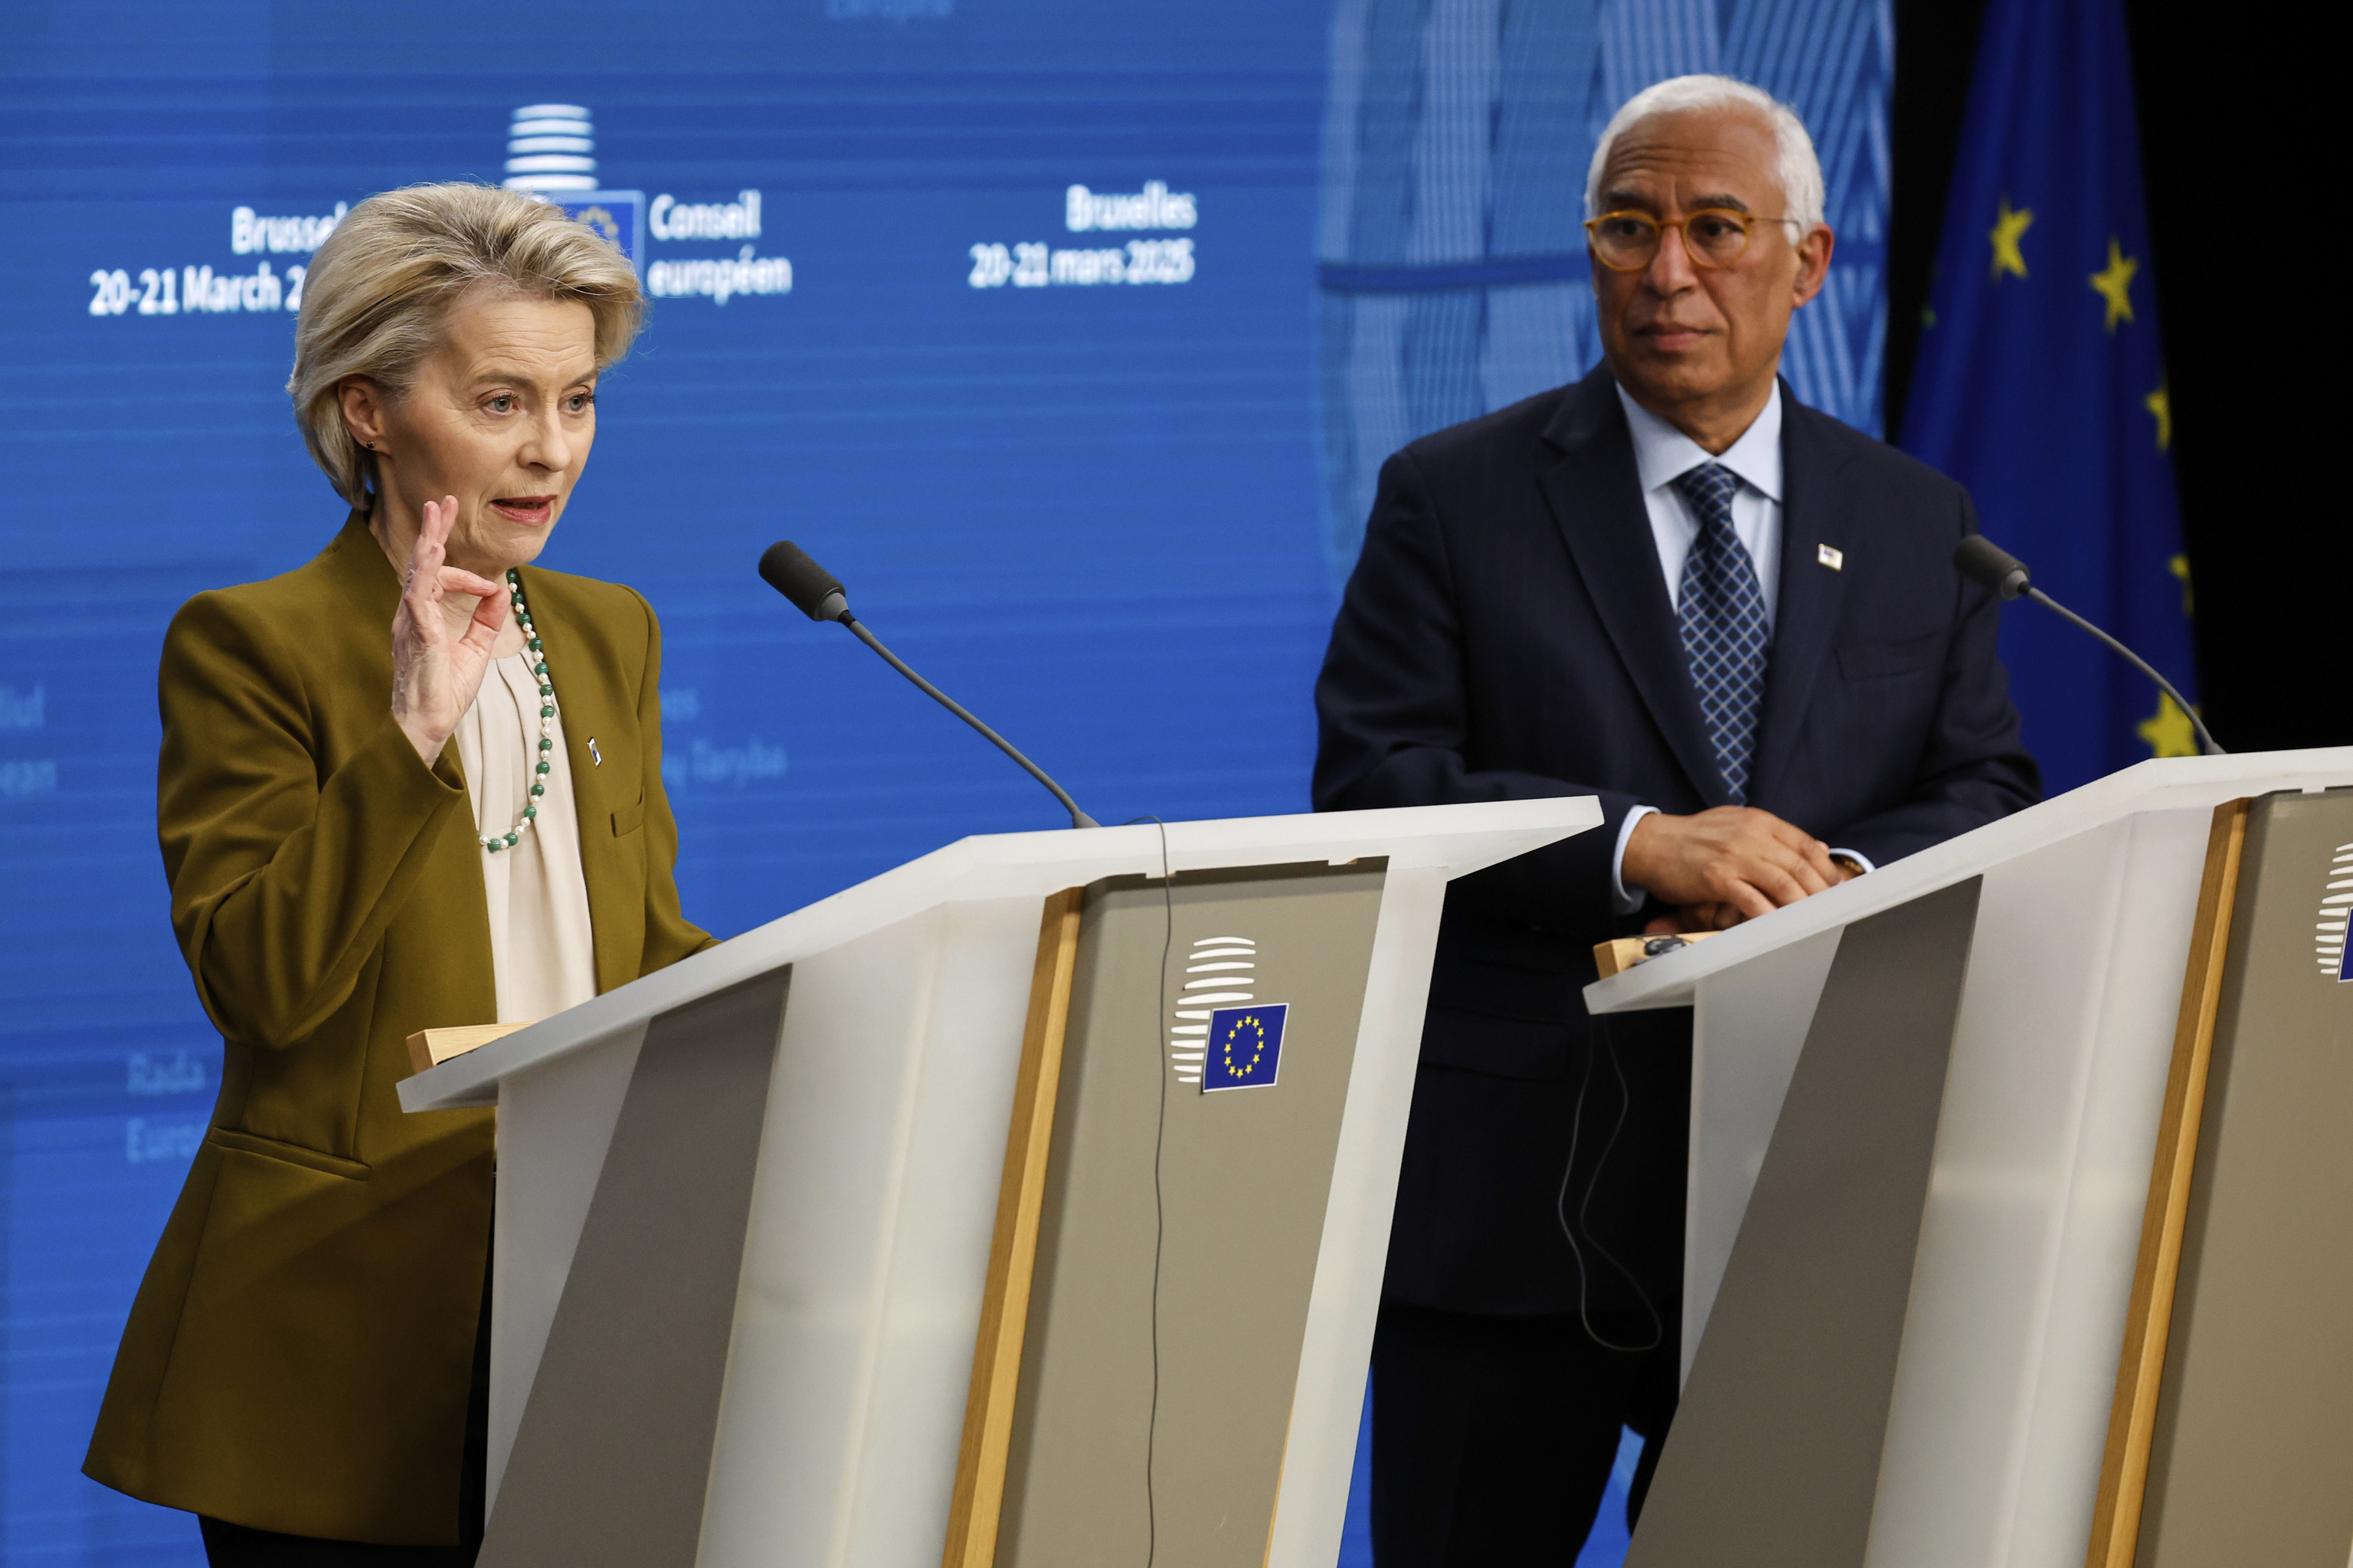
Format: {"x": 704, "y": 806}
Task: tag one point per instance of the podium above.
{"x": 1026, "y": 1205}
{"x": 2021, "y": 1205}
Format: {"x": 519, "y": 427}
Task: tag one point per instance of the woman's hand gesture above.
{"x": 439, "y": 654}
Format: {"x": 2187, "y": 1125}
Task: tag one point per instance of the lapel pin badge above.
{"x": 594, "y": 756}
{"x": 1835, "y": 560}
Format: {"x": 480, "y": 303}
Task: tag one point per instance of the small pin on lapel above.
{"x": 595, "y": 756}
{"x": 1833, "y": 559}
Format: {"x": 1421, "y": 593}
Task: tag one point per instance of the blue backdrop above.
{"x": 1094, "y": 464}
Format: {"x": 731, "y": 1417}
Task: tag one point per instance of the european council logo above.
{"x": 550, "y": 153}
{"x": 1245, "y": 1047}
{"x": 2335, "y": 952}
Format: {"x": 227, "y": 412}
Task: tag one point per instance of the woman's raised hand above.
{"x": 438, "y": 658}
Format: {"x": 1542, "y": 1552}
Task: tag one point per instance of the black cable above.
{"x": 1560, "y": 1203}
{"x": 1159, "y": 1208}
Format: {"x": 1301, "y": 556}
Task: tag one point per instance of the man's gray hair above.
{"x": 1800, "y": 171}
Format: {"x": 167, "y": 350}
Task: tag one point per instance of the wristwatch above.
{"x": 1849, "y": 865}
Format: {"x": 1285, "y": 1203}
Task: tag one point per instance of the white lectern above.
{"x": 756, "y": 1211}
{"x": 1947, "y": 1163}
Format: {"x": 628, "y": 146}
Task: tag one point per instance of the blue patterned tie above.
{"x": 1722, "y": 607}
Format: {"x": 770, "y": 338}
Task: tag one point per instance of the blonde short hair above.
{"x": 378, "y": 290}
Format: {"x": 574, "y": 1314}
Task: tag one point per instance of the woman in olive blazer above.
{"x": 301, "y": 1357}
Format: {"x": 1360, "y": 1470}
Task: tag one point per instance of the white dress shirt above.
{"x": 1663, "y": 454}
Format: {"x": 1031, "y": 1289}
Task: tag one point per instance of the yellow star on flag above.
{"x": 2169, "y": 732}
{"x": 2113, "y": 284}
{"x": 2008, "y": 226}
{"x": 2159, "y": 403}
{"x": 2179, "y": 568}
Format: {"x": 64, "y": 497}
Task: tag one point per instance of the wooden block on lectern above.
{"x": 1617, "y": 957}
{"x": 431, "y": 1047}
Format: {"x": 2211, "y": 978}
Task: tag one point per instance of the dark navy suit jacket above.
{"x": 1507, "y": 635}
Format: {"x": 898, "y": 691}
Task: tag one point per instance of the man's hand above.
{"x": 1724, "y": 865}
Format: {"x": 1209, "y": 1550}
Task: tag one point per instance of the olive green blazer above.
{"x": 299, "y": 1356}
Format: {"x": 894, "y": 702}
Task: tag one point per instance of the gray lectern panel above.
{"x": 2252, "y": 1457}
{"x": 613, "y": 1455}
{"x": 1244, "y": 1178}
{"x": 1773, "y": 1461}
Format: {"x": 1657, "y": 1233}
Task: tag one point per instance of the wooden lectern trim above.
{"x": 978, "y": 1501}
{"x": 429, "y": 1048}
{"x": 1616, "y": 958}
{"x": 2132, "y": 1419}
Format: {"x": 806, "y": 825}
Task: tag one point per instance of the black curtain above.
{"x": 2248, "y": 300}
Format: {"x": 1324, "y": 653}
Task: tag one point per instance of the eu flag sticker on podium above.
{"x": 1245, "y": 1047}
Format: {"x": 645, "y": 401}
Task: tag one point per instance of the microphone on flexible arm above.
{"x": 1983, "y": 562}
{"x": 819, "y": 595}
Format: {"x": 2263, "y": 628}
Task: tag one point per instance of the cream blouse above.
{"x": 542, "y": 953}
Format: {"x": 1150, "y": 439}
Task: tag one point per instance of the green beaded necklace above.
{"x": 494, "y": 843}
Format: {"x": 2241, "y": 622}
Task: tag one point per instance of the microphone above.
{"x": 818, "y": 594}
{"x": 1983, "y": 562}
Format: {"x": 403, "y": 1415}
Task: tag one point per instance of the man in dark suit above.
{"x": 1736, "y": 621}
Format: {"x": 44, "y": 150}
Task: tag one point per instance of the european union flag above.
{"x": 1245, "y": 1047}
{"x": 2041, "y": 385}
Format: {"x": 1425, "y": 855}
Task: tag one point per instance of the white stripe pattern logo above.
{"x": 1221, "y": 972}
{"x": 2336, "y": 903}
